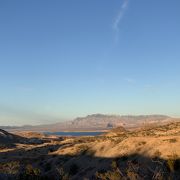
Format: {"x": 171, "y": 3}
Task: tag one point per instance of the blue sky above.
{"x": 63, "y": 59}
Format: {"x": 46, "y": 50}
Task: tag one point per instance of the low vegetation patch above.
{"x": 10, "y": 167}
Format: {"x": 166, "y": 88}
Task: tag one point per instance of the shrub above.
{"x": 29, "y": 173}
{"x": 74, "y": 168}
{"x": 63, "y": 175}
{"x": 51, "y": 149}
{"x": 172, "y": 140}
{"x": 177, "y": 165}
{"x": 157, "y": 153}
{"x": 173, "y": 163}
{"x": 170, "y": 165}
{"x": 114, "y": 164}
{"x": 10, "y": 167}
{"x": 132, "y": 175}
{"x": 30, "y": 170}
{"x": 109, "y": 175}
{"x": 47, "y": 166}
{"x": 142, "y": 143}
{"x": 124, "y": 158}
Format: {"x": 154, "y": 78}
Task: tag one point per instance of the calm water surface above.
{"x": 74, "y": 133}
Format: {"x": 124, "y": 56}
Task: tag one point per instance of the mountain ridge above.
{"x": 98, "y": 122}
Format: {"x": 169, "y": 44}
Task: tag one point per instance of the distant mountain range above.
{"x": 97, "y": 122}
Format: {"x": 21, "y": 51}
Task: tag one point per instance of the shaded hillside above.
{"x": 8, "y": 138}
{"x": 147, "y": 153}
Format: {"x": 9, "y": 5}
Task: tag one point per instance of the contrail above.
{"x": 119, "y": 17}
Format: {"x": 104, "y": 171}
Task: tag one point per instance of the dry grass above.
{"x": 121, "y": 154}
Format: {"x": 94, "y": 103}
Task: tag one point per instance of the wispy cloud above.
{"x": 119, "y": 17}
{"x": 130, "y": 80}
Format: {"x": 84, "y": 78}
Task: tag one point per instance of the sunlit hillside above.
{"x": 147, "y": 153}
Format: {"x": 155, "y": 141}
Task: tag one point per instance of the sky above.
{"x": 63, "y": 59}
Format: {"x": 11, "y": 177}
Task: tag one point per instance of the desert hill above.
{"x": 151, "y": 152}
{"x": 7, "y": 138}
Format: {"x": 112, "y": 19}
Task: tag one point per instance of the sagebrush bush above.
{"x": 30, "y": 170}
{"x": 74, "y": 168}
{"x": 172, "y": 163}
{"x": 10, "y": 167}
{"x": 109, "y": 175}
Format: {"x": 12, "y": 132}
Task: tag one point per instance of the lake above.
{"x": 74, "y": 133}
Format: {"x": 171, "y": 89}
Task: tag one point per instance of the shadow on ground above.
{"x": 43, "y": 163}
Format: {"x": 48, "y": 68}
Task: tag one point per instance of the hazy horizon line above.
{"x": 72, "y": 119}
